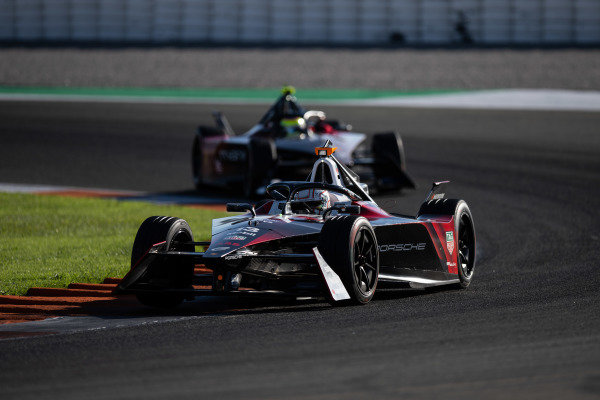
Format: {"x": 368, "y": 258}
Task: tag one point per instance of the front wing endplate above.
{"x": 334, "y": 284}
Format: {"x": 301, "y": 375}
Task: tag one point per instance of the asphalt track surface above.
{"x": 528, "y": 326}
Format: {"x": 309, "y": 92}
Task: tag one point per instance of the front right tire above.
{"x": 349, "y": 245}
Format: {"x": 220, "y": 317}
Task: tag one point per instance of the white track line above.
{"x": 503, "y": 99}
{"x": 511, "y": 99}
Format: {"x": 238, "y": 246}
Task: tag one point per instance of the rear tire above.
{"x": 203, "y": 132}
{"x": 465, "y": 243}
{"x": 177, "y": 274}
{"x": 262, "y": 156}
{"x": 348, "y": 244}
{"x": 388, "y": 151}
{"x": 464, "y": 227}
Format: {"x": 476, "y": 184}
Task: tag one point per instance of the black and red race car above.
{"x": 281, "y": 145}
{"x": 321, "y": 237}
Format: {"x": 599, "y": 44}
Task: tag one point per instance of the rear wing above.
{"x": 434, "y": 192}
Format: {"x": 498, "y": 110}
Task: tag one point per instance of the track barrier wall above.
{"x": 310, "y": 22}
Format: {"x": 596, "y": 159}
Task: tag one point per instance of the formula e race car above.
{"x": 321, "y": 237}
{"x": 281, "y": 145}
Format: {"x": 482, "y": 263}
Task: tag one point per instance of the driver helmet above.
{"x": 295, "y": 126}
{"x": 317, "y": 200}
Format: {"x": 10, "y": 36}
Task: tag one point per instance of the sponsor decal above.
{"x": 235, "y": 237}
{"x": 450, "y": 241}
{"x": 239, "y": 254}
{"x": 437, "y": 196}
{"x": 232, "y": 155}
{"x": 452, "y": 268}
{"x": 402, "y": 247}
{"x": 243, "y": 233}
{"x": 220, "y": 248}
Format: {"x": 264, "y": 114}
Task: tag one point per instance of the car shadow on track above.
{"x": 126, "y": 311}
{"x": 127, "y": 306}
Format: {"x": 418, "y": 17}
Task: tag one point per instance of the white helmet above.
{"x": 314, "y": 200}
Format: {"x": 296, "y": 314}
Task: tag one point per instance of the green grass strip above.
{"x": 52, "y": 241}
{"x": 220, "y": 93}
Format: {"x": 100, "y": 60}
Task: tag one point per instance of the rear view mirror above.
{"x": 241, "y": 207}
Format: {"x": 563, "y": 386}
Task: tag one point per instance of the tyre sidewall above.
{"x": 164, "y": 229}
{"x": 463, "y": 209}
{"x": 359, "y": 296}
{"x": 155, "y": 230}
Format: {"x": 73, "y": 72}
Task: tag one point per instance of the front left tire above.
{"x": 174, "y": 274}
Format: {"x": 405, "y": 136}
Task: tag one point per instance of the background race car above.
{"x": 281, "y": 146}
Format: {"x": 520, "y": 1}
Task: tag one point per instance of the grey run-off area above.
{"x": 394, "y": 69}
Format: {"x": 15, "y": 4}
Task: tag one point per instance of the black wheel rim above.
{"x": 181, "y": 242}
{"x": 466, "y": 246}
{"x": 365, "y": 261}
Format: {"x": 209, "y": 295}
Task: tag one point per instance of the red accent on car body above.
{"x": 371, "y": 212}
{"x": 265, "y": 238}
{"x": 265, "y": 208}
{"x": 441, "y": 229}
{"x": 433, "y": 235}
